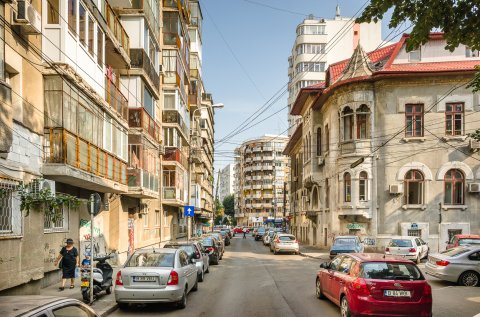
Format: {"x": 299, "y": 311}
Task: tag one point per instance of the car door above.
{"x": 185, "y": 269}
{"x": 328, "y": 282}
{"x": 425, "y": 247}
{"x": 72, "y": 310}
{"x": 474, "y": 261}
{"x": 339, "y": 278}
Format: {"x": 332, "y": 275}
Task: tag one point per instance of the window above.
{"x": 347, "y": 187}
{"x": 327, "y": 138}
{"x": 414, "y": 120}
{"x": 91, "y": 34}
{"x": 470, "y": 53}
{"x": 345, "y": 265}
{"x": 72, "y": 16}
{"x": 83, "y": 21}
{"x": 165, "y": 219}
{"x": 157, "y": 218}
{"x": 362, "y": 122}
{"x": 454, "y": 119}
{"x": 415, "y": 55}
{"x": 72, "y": 311}
{"x": 148, "y": 103}
{"x": 311, "y": 29}
{"x": 99, "y": 46}
{"x": 347, "y": 116}
{"x": 414, "y": 232}
{"x": 319, "y": 141}
{"x": 145, "y": 219}
{"x": 335, "y": 264}
{"x": 310, "y": 67}
{"x": 414, "y": 182}
{"x": 53, "y": 9}
{"x": 56, "y": 222}
{"x": 310, "y": 48}
{"x": 363, "y": 186}
{"x": 453, "y": 232}
{"x": 454, "y": 187}
{"x": 327, "y": 194}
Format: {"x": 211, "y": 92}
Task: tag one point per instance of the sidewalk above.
{"x": 314, "y": 252}
{"x": 102, "y": 306}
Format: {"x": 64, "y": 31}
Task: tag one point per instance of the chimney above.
{"x": 356, "y": 35}
{"x": 337, "y": 11}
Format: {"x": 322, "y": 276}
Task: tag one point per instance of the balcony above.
{"x": 120, "y": 3}
{"x": 175, "y": 155}
{"x": 194, "y": 93}
{"x": 140, "y": 119}
{"x": 143, "y": 7}
{"x": 72, "y": 160}
{"x": 257, "y": 206}
{"x": 142, "y": 184}
{"x": 268, "y": 158}
{"x": 173, "y": 196}
{"x": 116, "y": 99}
{"x": 140, "y": 60}
{"x": 172, "y": 116}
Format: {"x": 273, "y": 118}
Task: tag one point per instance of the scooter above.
{"x": 102, "y": 278}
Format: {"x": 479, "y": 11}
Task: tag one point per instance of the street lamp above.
{"x": 190, "y": 161}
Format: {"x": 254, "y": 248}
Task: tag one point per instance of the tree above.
{"x": 228, "y": 204}
{"x": 458, "y": 19}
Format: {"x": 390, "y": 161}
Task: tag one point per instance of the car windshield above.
{"x": 286, "y": 238}
{"x": 468, "y": 241}
{"x": 391, "y": 271}
{"x": 344, "y": 241}
{"x": 456, "y": 251}
{"x": 271, "y": 233}
{"x": 261, "y": 230}
{"x": 402, "y": 243}
{"x": 187, "y": 248}
{"x": 151, "y": 259}
{"x": 223, "y": 233}
{"x": 207, "y": 242}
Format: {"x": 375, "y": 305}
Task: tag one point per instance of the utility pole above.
{"x": 274, "y": 188}
{"x": 215, "y": 201}
{"x": 284, "y": 206}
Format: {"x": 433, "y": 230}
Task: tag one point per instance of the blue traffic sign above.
{"x": 188, "y": 211}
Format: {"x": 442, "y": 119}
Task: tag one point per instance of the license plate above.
{"x": 396, "y": 293}
{"x": 85, "y": 284}
{"x": 144, "y": 279}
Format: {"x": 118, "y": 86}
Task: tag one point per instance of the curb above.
{"x": 109, "y": 310}
{"x": 309, "y": 256}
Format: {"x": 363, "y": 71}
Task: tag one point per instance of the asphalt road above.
{"x": 251, "y": 281}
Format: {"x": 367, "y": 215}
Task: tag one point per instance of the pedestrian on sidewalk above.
{"x": 244, "y": 233}
{"x": 69, "y": 260}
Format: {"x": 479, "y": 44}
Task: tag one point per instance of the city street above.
{"x": 251, "y": 281}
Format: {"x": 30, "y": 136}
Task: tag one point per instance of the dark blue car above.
{"x": 346, "y": 244}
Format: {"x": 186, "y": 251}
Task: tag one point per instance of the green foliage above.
{"x": 475, "y": 135}
{"x": 226, "y": 221}
{"x": 228, "y": 204}
{"x": 218, "y": 220}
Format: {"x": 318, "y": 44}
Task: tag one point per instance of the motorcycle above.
{"x": 102, "y": 278}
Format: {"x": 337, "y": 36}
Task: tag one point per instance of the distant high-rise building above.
{"x": 225, "y": 182}
{"x": 321, "y": 42}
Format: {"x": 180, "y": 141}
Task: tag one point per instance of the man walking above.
{"x": 244, "y": 233}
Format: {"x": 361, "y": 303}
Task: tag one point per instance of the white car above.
{"x": 413, "y": 248}
{"x": 284, "y": 243}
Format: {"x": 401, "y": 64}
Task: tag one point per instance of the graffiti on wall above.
{"x": 99, "y": 245}
{"x": 131, "y": 236}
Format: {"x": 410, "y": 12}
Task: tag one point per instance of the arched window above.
{"x": 315, "y": 201}
{"x": 347, "y": 116}
{"x": 363, "y": 186}
{"x": 363, "y": 114}
{"x": 347, "y": 187}
{"x": 454, "y": 187}
{"x": 414, "y": 188}
{"x": 319, "y": 141}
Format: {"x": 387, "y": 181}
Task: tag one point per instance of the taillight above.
{"x": 427, "y": 290}
{"x": 442, "y": 263}
{"x": 197, "y": 255}
{"x": 360, "y": 287}
{"x": 412, "y": 250}
{"x": 387, "y": 249}
{"x": 173, "y": 278}
{"x": 119, "y": 281}
{"x": 295, "y": 241}
{"x": 277, "y": 240}
{"x": 210, "y": 249}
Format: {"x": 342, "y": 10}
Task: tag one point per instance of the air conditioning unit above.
{"x": 396, "y": 189}
{"x": 27, "y": 17}
{"x": 39, "y": 185}
{"x": 161, "y": 149}
{"x": 474, "y": 145}
{"x": 474, "y": 188}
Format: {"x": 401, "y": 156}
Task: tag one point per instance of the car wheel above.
{"x": 200, "y": 276}
{"x": 208, "y": 269}
{"x": 195, "y": 287}
{"x": 318, "y": 289}
{"x": 275, "y": 252}
{"x": 183, "y": 302}
{"x": 418, "y": 259}
{"x": 86, "y": 295}
{"x": 216, "y": 261}
{"x": 344, "y": 309}
{"x": 122, "y": 306}
{"x": 109, "y": 290}
{"x": 469, "y": 278}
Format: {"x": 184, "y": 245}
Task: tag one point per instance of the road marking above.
{"x": 434, "y": 289}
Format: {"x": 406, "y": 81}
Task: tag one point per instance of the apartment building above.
{"x": 321, "y": 42}
{"x": 263, "y": 173}
{"x": 226, "y": 181}
{"x": 384, "y": 147}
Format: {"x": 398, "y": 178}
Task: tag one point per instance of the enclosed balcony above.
{"x": 116, "y": 99}
{"x": 138, "y": 118}
{"x": 173, "y": 191}
{"x": 149, "y": 11}
{"x": 143, "y": 171}
{"x": 141, "y": 62}
{"x": 175, "y": 155}
{"x": 174, "y": 117}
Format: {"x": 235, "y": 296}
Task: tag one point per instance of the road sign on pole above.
{"x": 188, "y": 211}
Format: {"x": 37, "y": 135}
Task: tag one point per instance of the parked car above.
{"x": 220, "y": 242}
{"x": 228, "y": 231}
{"x": 412, "y": 248}
{"x": 268, "y": 237}
{"x": 210, "y": 247}
{"x": 225, "y": 237}
{"x": 259, "y": 234}
{"x": 372, "y": 284}
{"x": 284, "y": 242}
{"x": 36, "y": 305}
{"x": 463, "y": 239}
{"x": 346, "y": 244}
{"x": 156, "y": 276}
{"x": 254, "y": 232}
{"x": 196, "y": 252}
{"x": 459, "y": 265}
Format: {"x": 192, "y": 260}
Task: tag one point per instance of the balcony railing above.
{"x": 172, "y": 193}
{"x": 116, "y": 27}
{"x": 141, "y": 178}
{"x": 140, "y": 59}
{"x": 177, "y": 156}
{"x": 172, "y": 116}
{"x": 152, "y": 16}
{"x": 139, "y": 118}
{"x": 66, "y": 148}
{"x": 116, "y": 99}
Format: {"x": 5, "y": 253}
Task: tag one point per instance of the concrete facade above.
{"x": 226, "y": 182}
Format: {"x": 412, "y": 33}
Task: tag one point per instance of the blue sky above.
{"x": 261, "y": 39}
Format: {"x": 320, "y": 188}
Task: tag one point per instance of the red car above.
{"x": 240, "y": 230}
{"x": 463, "y": 239}
{"x": 370, "y": 284}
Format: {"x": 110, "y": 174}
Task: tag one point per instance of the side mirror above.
{"x": 192, "y": 261}
{"x": 324, "y": 265}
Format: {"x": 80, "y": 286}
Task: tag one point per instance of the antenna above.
{"x": 337, "y": 10}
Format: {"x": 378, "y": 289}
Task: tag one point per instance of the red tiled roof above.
{"x": 431, "y": 67}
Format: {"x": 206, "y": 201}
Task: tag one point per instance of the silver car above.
{"x": 412, "y": 248}
{"x": 156, "y": 276}
{"x": 285, "y": 243}
{"x": 459, "y": 265}
{"x": 196, "y": 252}
{"x": 36, "y": 305}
